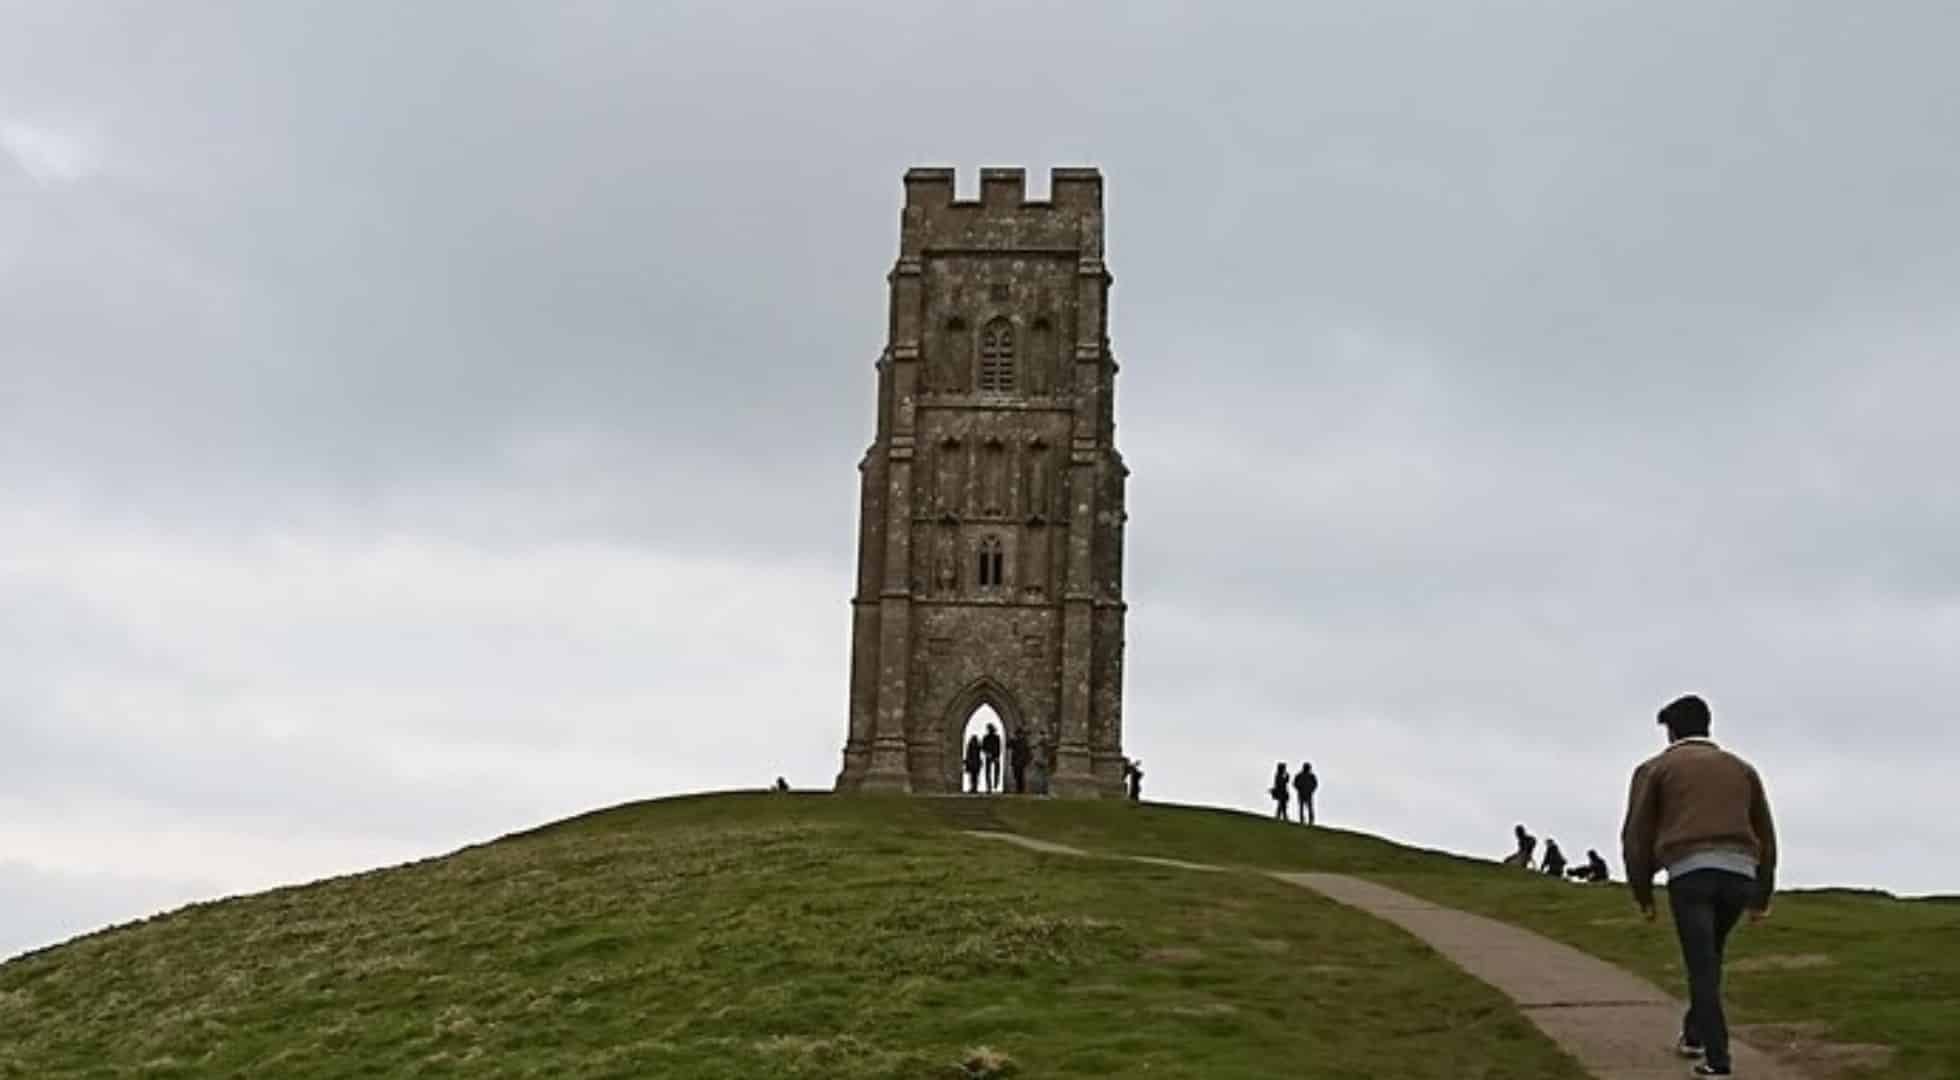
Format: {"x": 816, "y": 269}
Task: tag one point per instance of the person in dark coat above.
{"x": 1305, "y": 783}
{"x": 1594, "y": 870}
{"x": 1279, "y": 791}
{"x": 1133, "y": 774}
{"x": 990, "y": 751}
{"x": 972, "y": 764}
{"x": 1019, "y": 753}
{"x": 1527, "y": 847}
{"x": 1554, "y": 864}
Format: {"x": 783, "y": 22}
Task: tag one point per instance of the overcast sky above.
{"x": 419, "y": 422}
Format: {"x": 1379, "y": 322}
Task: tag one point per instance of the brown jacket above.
{"x": 1696, "y": 796}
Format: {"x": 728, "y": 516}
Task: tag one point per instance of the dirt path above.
{"x": 1618, "y": 1025}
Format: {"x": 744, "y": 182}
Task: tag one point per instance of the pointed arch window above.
{"x": 997, "y": 357}
{"x": 992, "y": 570}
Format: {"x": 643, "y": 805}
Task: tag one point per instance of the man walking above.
{"x": 1700, "y": 813}
{"x": 1305, "y": 783}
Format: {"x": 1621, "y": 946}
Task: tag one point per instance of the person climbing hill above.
{"x": 1700, "y": 813}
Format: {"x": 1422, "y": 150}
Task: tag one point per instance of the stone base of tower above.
{"x": 1075, "y": 776}
{"x": 857, "y": 762}
{"x": 1107, "y": 768}
{"x": 878, "y": 768}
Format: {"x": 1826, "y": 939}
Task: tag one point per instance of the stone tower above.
{"x": 990, "y": 535}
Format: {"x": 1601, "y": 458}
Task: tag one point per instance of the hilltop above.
{"x": 755, "y": 935}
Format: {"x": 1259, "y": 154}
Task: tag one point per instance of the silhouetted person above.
{"x": 1279, "y": 792}
{"x": 1018, "y": 755}
{"x": 781, "y": 785}
{"x": 1305, "y": 783}
{"x": 1554, "y": 865}
{"x": 1527, "y": 847}
{"x": 1133, "y": 773}
{"x": 1700, "y": 813}
{"x": 990, "y": 751}
{"x": 972, "y": 764}
{"x": 1594, "y": 870}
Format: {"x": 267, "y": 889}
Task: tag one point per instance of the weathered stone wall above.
{"x": 990, "y": 545}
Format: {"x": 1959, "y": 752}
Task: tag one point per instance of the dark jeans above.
{"x": 1706, "y": 905}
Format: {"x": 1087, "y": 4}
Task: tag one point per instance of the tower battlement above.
{"x": 932, "y": 187}
{"x": 1003, "y": 217}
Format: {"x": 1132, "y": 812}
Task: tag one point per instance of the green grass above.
{"x": 1844, "y": 967}
{"x": 778, "y": 936}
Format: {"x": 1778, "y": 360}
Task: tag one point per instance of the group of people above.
{"x": 1694, "y": 810}
{"x": 1029, "y": 764}
{"x": 1302, "y": 784}
{"x": 983, "y": 761}
{"x": 1554, "y": 864}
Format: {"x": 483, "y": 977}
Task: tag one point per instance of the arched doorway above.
{"x": 982, "y": 703}
{"x": 983, "y": 720}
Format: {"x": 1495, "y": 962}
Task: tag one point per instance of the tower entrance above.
{"x": 990, "y": 540}
{"x": 980, "y": 723}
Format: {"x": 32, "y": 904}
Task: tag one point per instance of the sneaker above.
{"x": 1686, "y": 1048}
{"x": 1705, "y": 1069}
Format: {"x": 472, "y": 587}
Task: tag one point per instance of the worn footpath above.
{"x": 1618, "y": 1025}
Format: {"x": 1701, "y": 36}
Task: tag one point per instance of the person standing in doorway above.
{"x": 1042, "y": 766}
{"x": 990, "y": 750}
{"x": 1018, "y": 756}
{"x": 1279, "y": 792}
{"x": 972, "y": 763}
{"x": 1700, "y": 813}
{"x": 1305, "y": 783}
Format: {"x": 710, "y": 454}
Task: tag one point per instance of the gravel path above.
{"x": 1618, "y": 1025}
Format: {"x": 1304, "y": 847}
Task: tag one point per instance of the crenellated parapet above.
{"x": 1004, "y": 218}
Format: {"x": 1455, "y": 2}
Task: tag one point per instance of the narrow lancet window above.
{"x": 992, "y": 564}
{"x": 997, "y": 357}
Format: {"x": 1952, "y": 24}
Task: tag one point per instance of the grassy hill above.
{"x": 1847, "y": 983}
{"x": 815, "y": 936}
